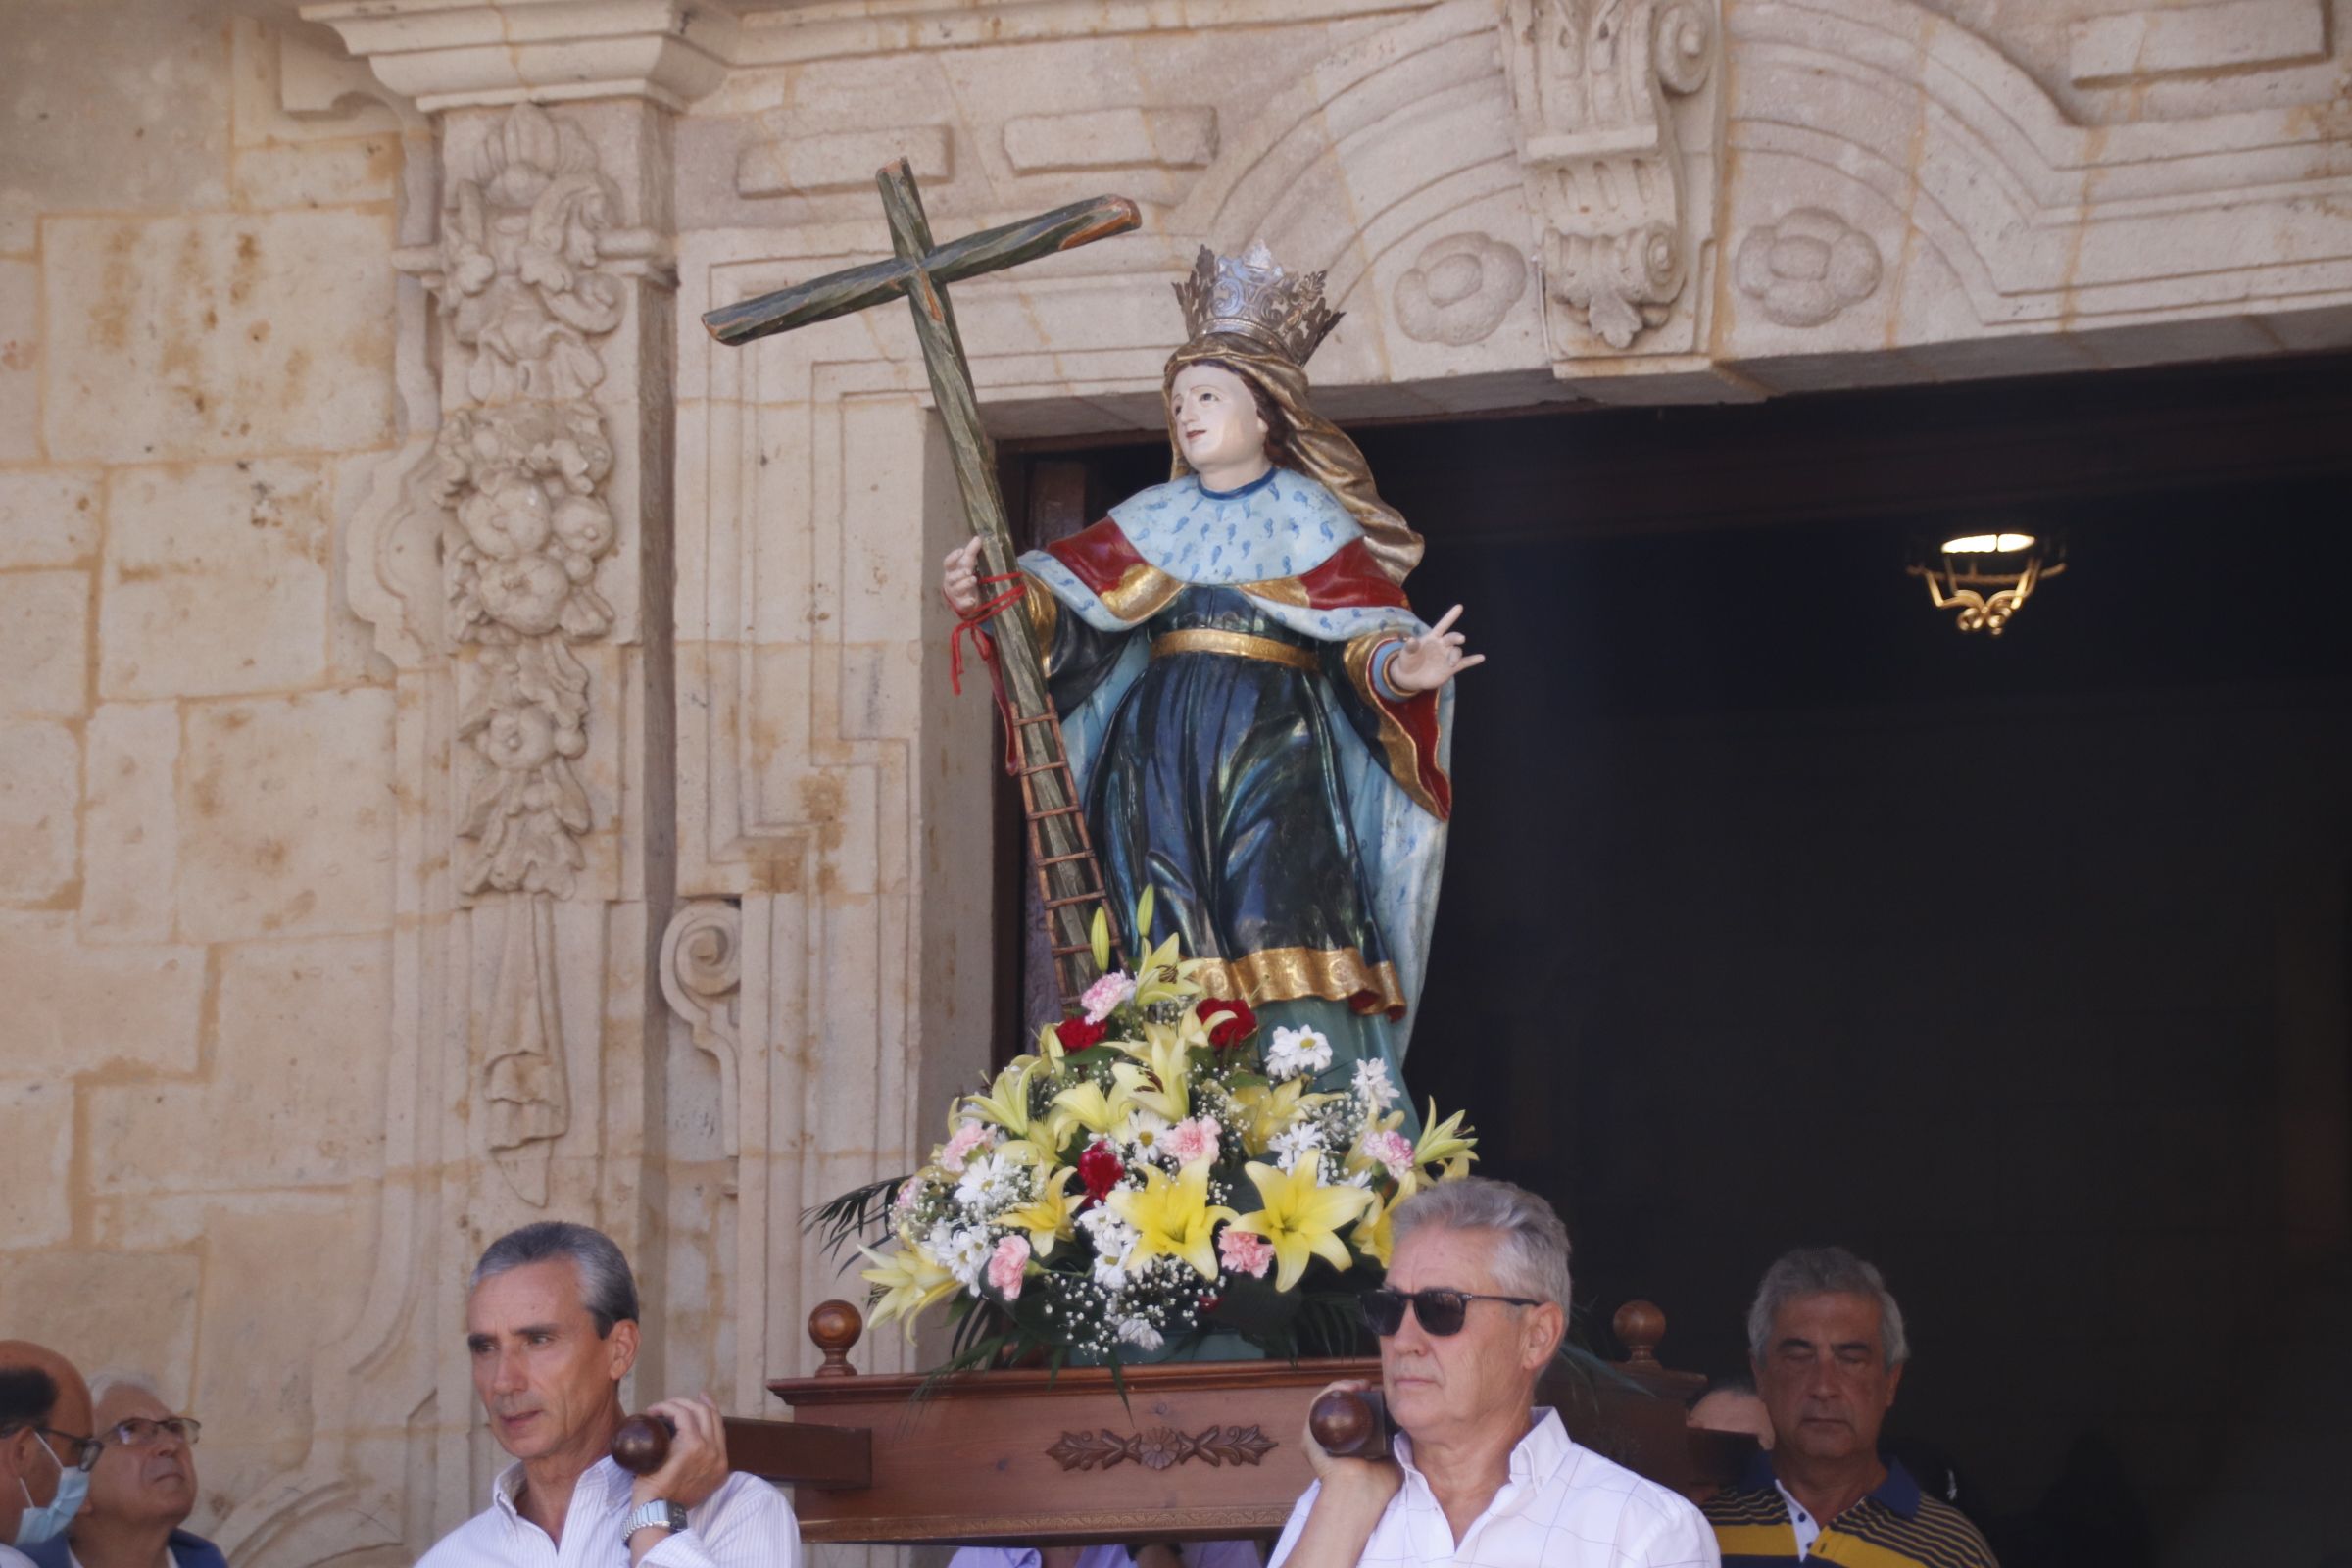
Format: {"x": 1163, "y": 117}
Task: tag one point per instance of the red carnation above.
{"x": 1076, "y": 1034}
{"x": 1230, "y": 1020}
{"x": 1100, "y": 1169}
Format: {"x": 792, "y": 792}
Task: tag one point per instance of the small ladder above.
{"x": 1068, "y": 925}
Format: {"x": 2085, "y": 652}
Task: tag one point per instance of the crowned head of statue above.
{"x": 1249, "y": 328}
{"x": 1234, "y": 387}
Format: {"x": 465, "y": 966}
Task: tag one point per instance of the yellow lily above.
{"x": 1266, "y": 1112}
{"x": 1442, "y": 1143}
{"x": 910, "y": 1282}
{"x": 1162, "y": 1051}
{"x": 1006, "y": 1103}
{"x": 1373, "y": 1234}
{"x": 1173, "y": 1217}
{"x": 1086, "y": 1105}
{"x": 1301, "y": 1217}
{"x": 1046, "y": 1216}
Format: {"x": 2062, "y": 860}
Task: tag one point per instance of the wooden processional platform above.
{"x": 1197, "y": 1451}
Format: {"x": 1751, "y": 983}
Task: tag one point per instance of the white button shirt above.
{"x": 1564, "y": 1506}
{"x": 747, "y": 1523}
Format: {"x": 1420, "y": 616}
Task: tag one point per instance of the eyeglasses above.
{"x": 1439, "y": 1312}
{"x": 84, "y": 1451}
{"x": 139, "y": 1432}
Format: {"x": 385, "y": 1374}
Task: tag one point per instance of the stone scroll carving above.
{"x": 529, "y": 273}
{"x": 1593, "y": 84}
{"x": 701, "y": 976}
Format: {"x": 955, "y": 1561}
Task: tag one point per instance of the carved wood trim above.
{"x": 1161, "y": 1447}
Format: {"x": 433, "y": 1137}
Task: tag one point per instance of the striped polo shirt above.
{"x": 1896, "y": 1526}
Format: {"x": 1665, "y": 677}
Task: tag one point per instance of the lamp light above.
{"x": 1987, "y": 577}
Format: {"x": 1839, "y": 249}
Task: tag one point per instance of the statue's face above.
{"x": 1215, "y": 419}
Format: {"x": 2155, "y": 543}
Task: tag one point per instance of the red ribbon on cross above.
{"x": 976, "y": 624}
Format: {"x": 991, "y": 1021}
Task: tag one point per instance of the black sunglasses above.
{"x": 1439, "y": 1312}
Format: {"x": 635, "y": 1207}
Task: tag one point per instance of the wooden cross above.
{"x": 1068, "y": 877}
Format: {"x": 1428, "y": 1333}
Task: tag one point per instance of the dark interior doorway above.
{"x": 1778, "y": 911}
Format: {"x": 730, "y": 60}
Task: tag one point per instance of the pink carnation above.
{"x": 1392, "y": 1149}
{"x": 1104, "y": 994}
{"x": 908, "y": 1191}
{"x": 1005, "y": 1266}
{"x": 1191, "y": 1140}
{"x": 1244, "y": 1253}
{"x": 955, "y": 1151}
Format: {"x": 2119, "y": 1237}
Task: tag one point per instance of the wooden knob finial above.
{"x": 1640, "y": 1326}
{"x": 1351, "y": 1425}
{"x": 641, "y": 1444}
{"x": 834, "y": 1327}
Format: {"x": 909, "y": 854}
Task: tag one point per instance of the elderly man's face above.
{"x": 149, "y": 1482}
{"x": 544, "y": 1375}
{"x": 1441, "y": 1388}
{"x": 1825, "y": 1376}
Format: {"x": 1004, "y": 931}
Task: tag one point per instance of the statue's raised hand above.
{"x": 1431, "y": 660}
{"x": 959, "y": 577}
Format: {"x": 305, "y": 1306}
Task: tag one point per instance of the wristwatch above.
{"x": 659, "y": 1514}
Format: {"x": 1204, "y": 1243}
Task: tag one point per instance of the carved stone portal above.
{"x": 1609, "y": 182}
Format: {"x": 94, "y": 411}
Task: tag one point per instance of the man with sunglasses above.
{"x": 45, "y": 1447}
{"x": 1474, "y": 1306}
{"x": 142, "y": 1488}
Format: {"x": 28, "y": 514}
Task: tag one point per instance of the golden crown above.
{"x": 1251, "y": 297}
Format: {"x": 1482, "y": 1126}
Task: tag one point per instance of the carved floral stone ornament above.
{"x": 529, "y": 272}
{"x": 1593, "y": 83}
{"x": 1805, "y": 269}
{"x": 519, "y": 245}
{"x": 1460, "y": 289}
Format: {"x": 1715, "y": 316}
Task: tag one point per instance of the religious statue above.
{"x": 1257, "y": 720}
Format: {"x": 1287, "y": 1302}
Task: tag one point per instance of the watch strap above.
{"x": 660, "y": 1514}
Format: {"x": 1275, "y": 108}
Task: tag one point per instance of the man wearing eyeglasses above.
{"x": 1474, "y": 1306}
{"x": 45, "y": 1447}
{"x": 142, "y": 1488}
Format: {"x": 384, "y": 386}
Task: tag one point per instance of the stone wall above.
{"x": 381, "y": 868}
{"x": 196, "y": 796}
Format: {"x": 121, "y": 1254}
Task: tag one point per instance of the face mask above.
{"x": 46, "y": 1524}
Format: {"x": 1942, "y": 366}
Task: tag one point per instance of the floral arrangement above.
{"x": 1158, "y": 1170}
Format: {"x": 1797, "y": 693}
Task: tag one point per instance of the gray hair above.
{"x": 1825, "y": 1271}
{"x": 608, "y": 1290}
{"x": 106, "y": 1383}
{"x": 1533, "y": 1259}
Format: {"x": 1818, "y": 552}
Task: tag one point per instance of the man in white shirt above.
{"x": 45, "y": 1447}
{"x": 1474, "y": 1306}
{"x": 551, "y": 1323}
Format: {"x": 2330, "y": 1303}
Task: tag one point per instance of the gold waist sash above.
{"x": 1234, "y": 645}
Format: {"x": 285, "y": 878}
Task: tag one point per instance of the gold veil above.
{"x": 1319, "y": 448}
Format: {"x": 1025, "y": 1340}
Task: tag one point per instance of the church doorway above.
{"x": 1779, "y": 912}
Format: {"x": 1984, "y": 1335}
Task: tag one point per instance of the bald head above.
{"x": 71, "y": 1412}
{"x": 29, "y": 1465}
